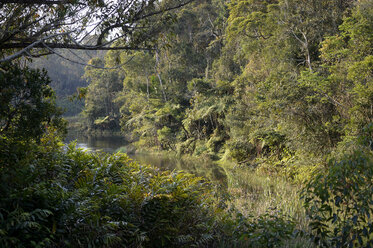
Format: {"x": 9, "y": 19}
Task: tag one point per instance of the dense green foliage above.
{"x": 284, "y": 87}
{"x": 27, "y": 103}
{"x": 101, "y": 112}
{"x": 54, "y": 195}
{"x": 269, "y": 82}
{"x": 78, "y": 199}
{"x": 340, "y": 203}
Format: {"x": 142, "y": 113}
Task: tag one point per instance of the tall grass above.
{"x": 251, "y": 192}
{"x": 254, "y": 194}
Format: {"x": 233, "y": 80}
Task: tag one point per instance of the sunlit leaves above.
{"x": 339, "y": 202}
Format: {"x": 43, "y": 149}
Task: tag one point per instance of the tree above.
{"x": 155, "y": 87}
{"x": 100, "y": 109}
{"x": 27, "y": 104}
{"x": 348, "y": 60}
{"x": 272, "y": 58}
{"x": 36, "y": 28}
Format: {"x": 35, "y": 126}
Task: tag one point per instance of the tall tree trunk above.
{"x": 159, "y": 75}
{"x": 147, "y": 85}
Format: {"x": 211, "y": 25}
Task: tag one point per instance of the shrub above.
{"x": 339, "y": 202}
{"x": 71, "y": 198}
{"x": 78, "y": 199}
{"x": 134, "y": 204}
{"x": 267, "y": 230}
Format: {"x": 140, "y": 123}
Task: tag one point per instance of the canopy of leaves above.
{"x": 82, "y": 24}
{"x": 27, "y": 103}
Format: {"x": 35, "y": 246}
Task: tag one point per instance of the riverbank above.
{"x": 253, "y": 193}
{"x": 256, "y": 194}
{"x": 75, "y": 123}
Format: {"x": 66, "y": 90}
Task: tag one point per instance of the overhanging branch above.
{"x": 28, "y": 45}
{"x": 52, "y": 51}
{"x": 49, "y": 30}
{"x": 47, "y": 2}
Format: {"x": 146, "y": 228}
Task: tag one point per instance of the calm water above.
{"x": 111, "y": 143}
{"x": 96, "y": 143}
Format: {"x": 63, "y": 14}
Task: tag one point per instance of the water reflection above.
{"x": 111, "y": 143}
{"x": 191, "y": 165}
{"x": 107, "y": 143}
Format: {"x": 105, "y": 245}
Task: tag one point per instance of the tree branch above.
{"x": 163, "y": 10}
{"x": 46, "y": 2}
{"x": 27, "y": 33}
{"x": 27, "y": 47}
{"x": 37, "y": 44}
{"x": 86, "y": 64}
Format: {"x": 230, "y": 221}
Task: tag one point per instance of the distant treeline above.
{"x": 66, "y": 70}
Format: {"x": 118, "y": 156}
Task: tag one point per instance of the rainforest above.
{"x": 270, "y": 102}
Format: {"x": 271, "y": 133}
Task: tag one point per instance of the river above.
{"x": 111, "y": 143}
